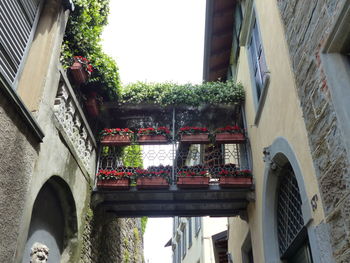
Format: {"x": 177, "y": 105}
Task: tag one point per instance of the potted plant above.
{"x": 116, "y": 136}
{"x": 229, "y": 134}
{"x": 92, "y": 104}
{"x": 238, "y": 178}
{"x": 150, "y": 135}
{"x": 148, "y": 179}
{"x": 113, "y": 179}
{"x": 81, "y": 70}
{"x": 194, "y": 135}
{"x": 193, "y": 177}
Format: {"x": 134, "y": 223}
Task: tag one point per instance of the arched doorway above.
{"x": 293, "y": 241}
{"x": 287, "y": 233}
{"x": 53, "y": 222}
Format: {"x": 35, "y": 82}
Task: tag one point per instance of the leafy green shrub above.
{"x": 144, "y": 220}
{"x": 83, "y": 38}
{"x": 169, "y": 93}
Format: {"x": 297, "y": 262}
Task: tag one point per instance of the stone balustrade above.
{"x": 73, "y": 122}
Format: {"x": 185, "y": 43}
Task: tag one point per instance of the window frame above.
{"x": 249, "y": 19}
{"x": 336, "y": 63}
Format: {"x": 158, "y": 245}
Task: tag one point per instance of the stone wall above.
{"x": 108, "y": 239}
{"x": 18, "y": 152}
{"x": 307, "y": 25}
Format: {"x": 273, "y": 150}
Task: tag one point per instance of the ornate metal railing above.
{"x": 210, "y": 159}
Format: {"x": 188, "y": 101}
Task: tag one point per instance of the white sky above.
{"x": 157, "y": 41}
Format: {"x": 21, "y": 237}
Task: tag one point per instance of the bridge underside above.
{"x": 212, "y": 201}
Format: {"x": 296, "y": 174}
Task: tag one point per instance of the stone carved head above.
{"x": 39, "y": 253}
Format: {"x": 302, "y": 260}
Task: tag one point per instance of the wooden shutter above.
{"x": 17, "y": 19}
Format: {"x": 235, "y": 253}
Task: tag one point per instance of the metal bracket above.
{"x": 266, "y": 152}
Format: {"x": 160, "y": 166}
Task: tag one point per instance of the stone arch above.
{"x": 279, "y": 154}
{"x": 53, "y": 221}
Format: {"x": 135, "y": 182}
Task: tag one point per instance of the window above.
{"x": 197, "y": 224}
{"x": 189, "y": 232}
{"x": 292, "y": 235}
{"x": 17, "y": 22}
{"x": 259, "y": 69}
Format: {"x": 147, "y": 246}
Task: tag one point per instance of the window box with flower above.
{"x": 81, "y": 70}
{"x": 193, "y": 177}
{"x": 150, "y": 135}
{"x": 116, "y": 136}
{"x": 229, "y": 134}
{"x": 194, "y": 135}
{"x": 238, "y": 178}
{"x": 113, "y": 179}
{"x": 153, "y": 179}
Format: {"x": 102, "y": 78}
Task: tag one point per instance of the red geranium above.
{"x": 85, "y": 63}
{"x": 116, "y": 131}
{"x": 112, "y": 175}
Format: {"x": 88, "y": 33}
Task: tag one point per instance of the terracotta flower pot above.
{"x": 79, "y": 74}
{"x": 202, "y": 138}
{"x": 115, "y": 140}
{"x": 229, "y": 138}
{"x": 152, "y": 139}
{"x": 193, "y": 182}
{"x": 92, "y": 107}
{"x": 114, "y": 184}
{"x": 152, "y": 183}
{"x": 232, "y": 181}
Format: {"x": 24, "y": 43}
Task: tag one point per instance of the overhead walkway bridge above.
{"x": 187, "y": 172}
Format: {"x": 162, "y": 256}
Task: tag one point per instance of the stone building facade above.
{"x": 292, "y": 57}
{"x": 318, "y": 34}
{"x": 48, "y": 151}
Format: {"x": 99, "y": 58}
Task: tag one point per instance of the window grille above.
{"x": 17, "y": 18}
{"x": 289, "y": 214}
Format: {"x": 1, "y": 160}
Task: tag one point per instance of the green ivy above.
{"x": 169, "y": 93}
{"x": 83, "y": 38}
{"x": 132, "y": 156}
{"x": 144, "y": 220}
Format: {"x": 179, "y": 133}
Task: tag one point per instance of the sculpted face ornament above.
{"x": 39, "y": 253}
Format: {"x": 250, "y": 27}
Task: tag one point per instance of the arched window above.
{"x": 292, "y": 235}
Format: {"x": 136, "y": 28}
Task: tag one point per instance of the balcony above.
{"x": 194, "y": 170}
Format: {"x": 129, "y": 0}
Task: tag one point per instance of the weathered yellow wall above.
{"x": 281, "y": 116}
{"x": 43, "y": 48}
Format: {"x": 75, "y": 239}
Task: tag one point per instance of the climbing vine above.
{"x": 169, "y": 93}
{"x": 83, "y": 38}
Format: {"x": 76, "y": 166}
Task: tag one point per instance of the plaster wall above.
{"x": 18, "y": 152}
{"x": 202, "y": 244}
{"x": 211, "y": 226}
{"x": 281, "y": 116}
{"x": 195, "y": 252}
{"x": 38, "y": 87}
